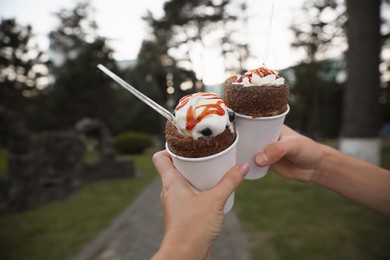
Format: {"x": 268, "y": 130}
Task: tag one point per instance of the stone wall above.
{"x": 43, "y": 168}
{"x": 51, "y": 165}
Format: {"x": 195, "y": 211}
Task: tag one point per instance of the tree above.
{"x": 384, "y": 98}
{"x": 79, "y": 88}
{"x": 361, "y": 104}
{"x": 319, "y": 33}
{"x": 164, "y": 69}
{"x": 157, "y": 76}
{"x": 21, "y": 65}
{"x": 189, "y": 27}
{"x": 316, "y": 110}
{"x": 361, "y": 114}
{"x": 148, "y": 76}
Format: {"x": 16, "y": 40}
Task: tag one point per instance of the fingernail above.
{"x": 261, "y": 159}
{"x": 244, "y": 169}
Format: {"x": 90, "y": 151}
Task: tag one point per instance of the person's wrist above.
{"x": 327, "y": 160}
{"x": 179, "y": 247}
{"x": 181, "y": 251}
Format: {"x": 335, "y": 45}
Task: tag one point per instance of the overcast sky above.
{"x": 121, "y": 22}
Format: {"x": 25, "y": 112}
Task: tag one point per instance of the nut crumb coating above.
{"x": 256, "y": 101}
{"x": 186, "y": 146}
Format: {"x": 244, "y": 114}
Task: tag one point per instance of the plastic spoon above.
{"x": 165, "y": 113}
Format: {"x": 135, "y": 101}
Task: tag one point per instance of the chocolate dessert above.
{"x": 203, "y": 127}
{"x": 257, "y": 93}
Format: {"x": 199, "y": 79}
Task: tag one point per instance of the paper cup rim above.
{"x": 264, "y": 117}
{"x": 210, "y": 157}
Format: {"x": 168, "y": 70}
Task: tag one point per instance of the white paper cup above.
{"x": 255, "y": 134}
{"x": 205, "y": 172}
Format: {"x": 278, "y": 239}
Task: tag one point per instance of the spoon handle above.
{"x": 165, "y": 113}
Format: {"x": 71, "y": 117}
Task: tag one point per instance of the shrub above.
{"x": 132, "y": 142}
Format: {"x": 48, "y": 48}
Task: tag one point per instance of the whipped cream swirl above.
{"x": 203, "y": 115}
{"x": 260, "y": 77}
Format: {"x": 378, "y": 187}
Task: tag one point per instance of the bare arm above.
{"x": 192, "y": 219}
{"x": 359, "y": 181}
{"x": 299, "y": 158}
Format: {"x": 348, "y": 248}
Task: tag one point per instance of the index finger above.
{"x": 164, "y": 165}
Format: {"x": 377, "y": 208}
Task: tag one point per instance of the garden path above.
{"x": 137, "y": 232}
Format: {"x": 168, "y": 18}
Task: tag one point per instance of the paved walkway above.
{"x": 137, "y": 232}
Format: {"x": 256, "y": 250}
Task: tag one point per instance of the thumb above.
{"x": 271, "y": 154}
{"x": 230, "y": 182}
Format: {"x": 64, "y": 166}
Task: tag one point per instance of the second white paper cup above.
{"x": 205, "y": 172}
{"x": 255, "y": 134}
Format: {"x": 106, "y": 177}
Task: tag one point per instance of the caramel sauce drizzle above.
{"x": 209, "y": 109}
{"x": 262, "y": 72}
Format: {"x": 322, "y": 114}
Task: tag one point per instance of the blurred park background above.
{"x": 75, "y": 148}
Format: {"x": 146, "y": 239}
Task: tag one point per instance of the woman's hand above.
{"x": 297, "y": 157}
{"x": 192, "y": 219}
{"x": 293, "y": 156}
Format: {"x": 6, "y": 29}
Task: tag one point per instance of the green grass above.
{"x": 60, "y": 229}
{"x": 385, "y": 158}
{"x": 289, "y": 220}
{"x": 282, "y": 219}
{"x": 91, "y": 157}
{"x": 3, "y": 164}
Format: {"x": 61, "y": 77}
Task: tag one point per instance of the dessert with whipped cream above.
{"x": 204, "y": 126}
{"x": 259, "y": 92}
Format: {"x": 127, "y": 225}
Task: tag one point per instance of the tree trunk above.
{"x": 360, "y": 131}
